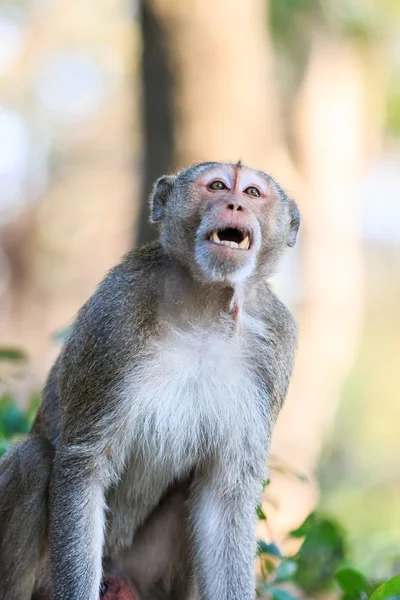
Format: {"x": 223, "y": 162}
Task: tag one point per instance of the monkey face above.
{"x": 224, "y": 220}
{"x": 229, "y": 235}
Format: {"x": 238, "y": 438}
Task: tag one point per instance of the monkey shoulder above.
{"x": 281, "y": 324}
{"x": 279, "y": 345}
{"x": 108, "y": 334}
{"x": 47, "y": 418}
{"x": 121, "y": 308}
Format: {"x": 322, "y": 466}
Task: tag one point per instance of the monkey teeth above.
{"x": 244, "y": 244}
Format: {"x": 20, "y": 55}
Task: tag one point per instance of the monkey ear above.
{"x": 161, "y": 192}
{"x": 294, "y": 222}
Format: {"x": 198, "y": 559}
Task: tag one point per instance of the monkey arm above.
{"x": 76, "y": 526}
{"x": 223, "y": 519}
{"x": 79, "y": 478}
{"x": 102, "y": 342}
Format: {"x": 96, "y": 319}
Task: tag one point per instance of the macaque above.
{"x": 148, "y": 452}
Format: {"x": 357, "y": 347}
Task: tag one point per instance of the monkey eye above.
{"x": 217, "y": 185}
{"x": 252, "y": 191}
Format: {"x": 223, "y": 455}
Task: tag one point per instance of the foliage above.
{"x": 390, "y": 590}
{"x": 12, "y": 354}
{"x": 14, "y": 421}
{"x": 363, "y": 21}
{"x": 321, "y": 565}
{"x": 286, "y": 16}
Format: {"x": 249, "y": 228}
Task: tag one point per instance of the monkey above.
{"x": 148, "y": 451}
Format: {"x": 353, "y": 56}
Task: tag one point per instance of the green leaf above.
{"x": 278, "y": 594}
{"x": 285, "y": 571}
{"x": 284, "y": 14}
{"x": 267, "y": 565}
{"x": 4, "y": 446}
{"x": 34, "y": 403}
{"x": 353, "y": 583}
{"x": 14, "y": 421}
{"x": 260, "y": 513}
{"x": 321, "y": 554}
{"x": 305, "y": 527}
{"x": 388, "y": 590}
{"x": 11, "y": 354}
{"x": 263, "y": 548}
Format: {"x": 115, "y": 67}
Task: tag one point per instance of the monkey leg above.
{"x": 158, "y": 564}
{"x": 24, "y": 478}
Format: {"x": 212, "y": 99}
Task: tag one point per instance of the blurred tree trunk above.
{"x": 209, "y": 86}
{"x": 157, "y": 111}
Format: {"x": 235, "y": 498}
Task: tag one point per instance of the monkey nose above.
{"x": 234, "y": 206}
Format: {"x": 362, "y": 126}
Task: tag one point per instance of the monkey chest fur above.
{"x": 193, "y": 390}
{"x": 195, "y": 395}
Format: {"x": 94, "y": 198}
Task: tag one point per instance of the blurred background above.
{"x": 100, "y": 97}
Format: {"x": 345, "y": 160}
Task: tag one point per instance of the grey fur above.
{"x": 160, "y": 409}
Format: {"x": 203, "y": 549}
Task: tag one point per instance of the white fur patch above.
{"x": 97, "y": 532}
{"x": 243, "y": 272}
{"x": 194, "y": 393}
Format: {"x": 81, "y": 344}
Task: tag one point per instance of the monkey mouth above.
{"x": 231, "y": 237}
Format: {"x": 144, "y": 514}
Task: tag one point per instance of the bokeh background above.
{"x": 100, "y": 97}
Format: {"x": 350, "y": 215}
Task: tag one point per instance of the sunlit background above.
{"x": 99, "y": 97}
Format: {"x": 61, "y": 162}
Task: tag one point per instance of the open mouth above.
{"x": 231, "y": 237}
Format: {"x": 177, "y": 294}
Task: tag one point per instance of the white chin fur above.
{"x": 243, "y": 272}
{"x": 212, "y": 271}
